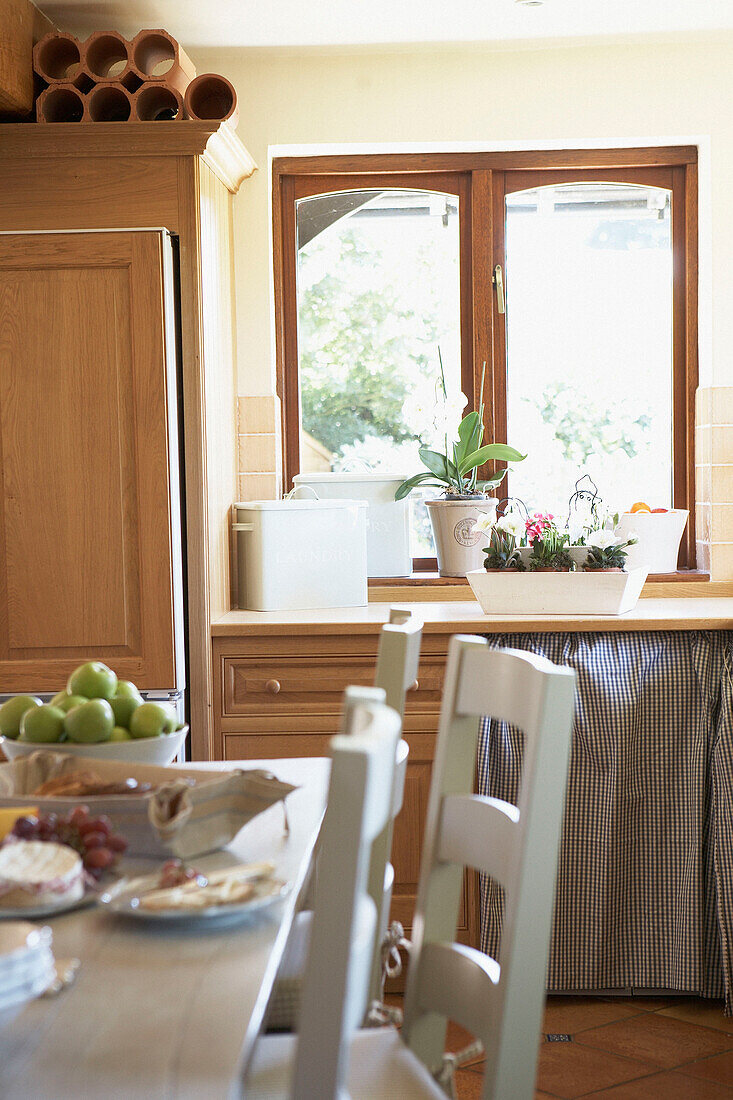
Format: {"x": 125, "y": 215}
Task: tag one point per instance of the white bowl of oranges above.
{"x": 658, "y": 531}
{"x": 95, "y": 715}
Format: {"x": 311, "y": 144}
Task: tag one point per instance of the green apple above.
{"x": 152, "y": 720}
{"x": 90, "y": 722}
{"x": 66, "y": 702}
{"x": 12, "y": 711}
{"x": 123, "y": 706}
{"x": 42, "y": 725}
{"x": 128, "y": 689}
{"x": 119, "y": 733}
{"x": 94, "y": 680}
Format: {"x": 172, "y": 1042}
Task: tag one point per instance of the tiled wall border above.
{"x": 714, "y": 480}
{"x": 259, "y": 469}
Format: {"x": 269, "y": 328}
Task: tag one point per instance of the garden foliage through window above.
{"x": 386, "y": 276}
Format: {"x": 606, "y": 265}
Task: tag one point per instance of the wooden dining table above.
{"x": 160, "y": 1011}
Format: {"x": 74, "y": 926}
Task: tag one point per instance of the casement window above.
{"x": 571, "y": 275}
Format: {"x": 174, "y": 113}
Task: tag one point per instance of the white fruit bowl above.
{"x": 142, "y": 750}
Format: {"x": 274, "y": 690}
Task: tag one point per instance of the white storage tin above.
{"x": 388, "y": 520}
{"x": 299, "y": 554}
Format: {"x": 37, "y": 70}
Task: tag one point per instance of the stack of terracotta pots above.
{"x": 109, "y": 78}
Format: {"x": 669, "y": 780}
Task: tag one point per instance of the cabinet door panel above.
{"x": 86, "y": 552}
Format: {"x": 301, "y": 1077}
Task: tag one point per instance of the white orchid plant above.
{"x": 506, "y": 534}
{"x": 456, "y": 471}
{"x": 606, "y": 550}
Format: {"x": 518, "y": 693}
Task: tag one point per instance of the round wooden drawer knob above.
{"x": 414, "y": 685}
{"x": 272, "y": 687}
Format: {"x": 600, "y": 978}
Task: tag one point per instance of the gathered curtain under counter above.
{"x": 644, "y": 896}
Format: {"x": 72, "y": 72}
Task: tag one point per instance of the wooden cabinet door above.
{"x": 88, "y": 562}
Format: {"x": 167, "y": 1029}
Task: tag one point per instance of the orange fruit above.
{"x": 640, "y": 506}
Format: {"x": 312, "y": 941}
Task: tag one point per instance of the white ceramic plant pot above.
{"x": 458, "y": 547}
{"x": 659, "y": 535}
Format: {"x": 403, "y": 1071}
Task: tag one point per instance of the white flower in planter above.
{"x": 484, "y": 522}
{"x": 512, "y": 524}
{"x": 602, "y": 539}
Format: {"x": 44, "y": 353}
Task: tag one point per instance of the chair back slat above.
{"x": 398, "y": 657}
{"x": 460, "y": 982}
{"x": 338, "y": 969}
{"x": 517, "y": 846}
{"x": 467, "y": 820}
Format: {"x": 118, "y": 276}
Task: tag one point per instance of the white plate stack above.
{"x": 26, "y": 965}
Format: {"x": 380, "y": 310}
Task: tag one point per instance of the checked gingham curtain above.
{"x": 644, "y": 895}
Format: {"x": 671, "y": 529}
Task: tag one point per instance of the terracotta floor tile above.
{"x": 719, "y": 1068}
{"x": 660, "y": 1040}
{"x": 704, "y": 1013}
{"x": 569, "y": 1070}
{"x": 665, "y": 1086}
{"x": 468, "y": 1084}
{"x": 457, "y": 1038}
{"x": 568, "y": 1015}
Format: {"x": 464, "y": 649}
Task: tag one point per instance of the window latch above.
{"x": 498, "y": 281}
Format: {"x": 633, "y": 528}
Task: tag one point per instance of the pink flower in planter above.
{"x": 537, "y": 523}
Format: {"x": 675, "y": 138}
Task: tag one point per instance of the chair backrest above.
{"x": 499, "y": 1001}
{"x": 339, "y": 962}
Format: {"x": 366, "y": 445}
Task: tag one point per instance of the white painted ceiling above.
{"x": 387, "y": 22}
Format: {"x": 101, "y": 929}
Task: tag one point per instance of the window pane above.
{"x": 378, "y": 295}
{"x": 589, "y": 342}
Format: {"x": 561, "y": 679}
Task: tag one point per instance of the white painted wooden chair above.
{"x": 338, "y": 970}
{"x": 499, "y": 1001}
{"x": 398, "y": 656}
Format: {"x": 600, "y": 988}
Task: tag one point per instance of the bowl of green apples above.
{"x": 95, "y": 715}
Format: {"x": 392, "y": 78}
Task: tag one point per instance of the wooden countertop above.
{"x": 453, "y": 617}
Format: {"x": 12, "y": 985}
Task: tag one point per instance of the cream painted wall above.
{"x": 593, "y": 95}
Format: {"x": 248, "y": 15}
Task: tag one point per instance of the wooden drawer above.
{"x": 292, "y": 685}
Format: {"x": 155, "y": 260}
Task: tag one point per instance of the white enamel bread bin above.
{"x": 300, "y": 554}
{"x": 388, "y": 520}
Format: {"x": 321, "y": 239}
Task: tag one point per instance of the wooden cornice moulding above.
{"x": 215, "y": 142}
{"x": 227, "y": 157}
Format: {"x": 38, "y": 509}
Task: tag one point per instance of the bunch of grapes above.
{"x": 92, "y": 837}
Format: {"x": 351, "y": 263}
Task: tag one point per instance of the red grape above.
{"x": 26, "y": 827}
{"x": 96, "y": 825}
{"x": 78, "y": 815}
{"x": 94, "y": 840}
{"x": 116, "y": 843}
{"x": 98, "y": 859}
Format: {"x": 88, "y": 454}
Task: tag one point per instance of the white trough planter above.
{"x": 597, "y": 593}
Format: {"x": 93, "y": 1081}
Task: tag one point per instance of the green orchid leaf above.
{"x": 499, "y": 452}
{"x": 491, "y": 482}
{"x": 435, "y": 462}
{"x": 419, "y": 479}
{"x": 466, "y": 436}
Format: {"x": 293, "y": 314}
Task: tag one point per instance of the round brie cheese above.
{"x": 37, "y": 873}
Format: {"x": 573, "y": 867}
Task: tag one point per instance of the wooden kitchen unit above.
{"x": 280, "y": 696}
{"x": 87, "y": 571}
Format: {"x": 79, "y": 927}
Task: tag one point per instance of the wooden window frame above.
{"x": 481, "y": 180}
